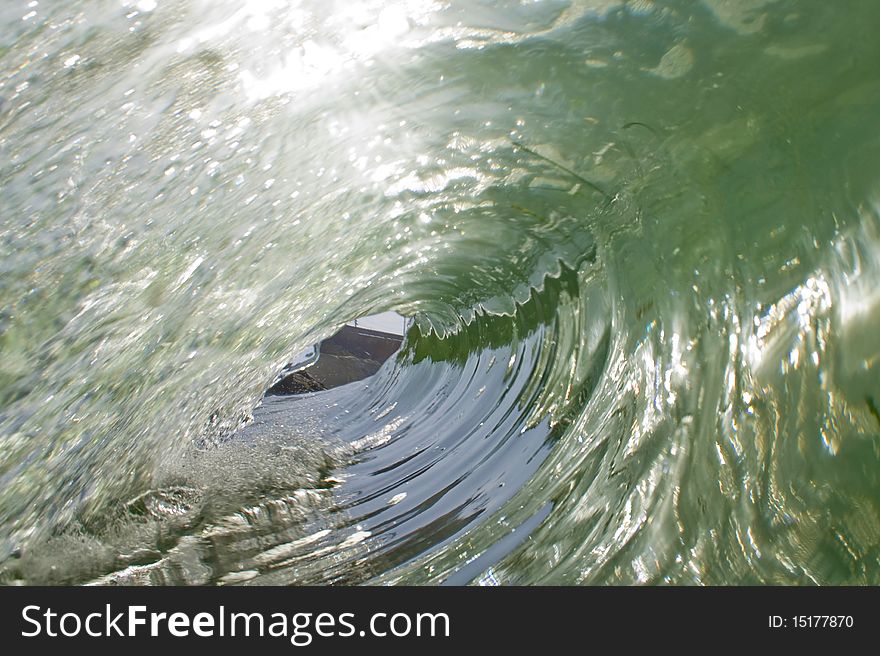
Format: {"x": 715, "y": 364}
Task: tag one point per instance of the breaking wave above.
{"x": 639, "y": 242}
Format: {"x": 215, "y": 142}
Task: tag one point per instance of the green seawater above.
{"x": 639, "y": 243}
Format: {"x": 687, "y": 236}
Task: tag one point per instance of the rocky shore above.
{"x": 350, "y": 355}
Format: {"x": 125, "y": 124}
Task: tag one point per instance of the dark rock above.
{"x": 350, "y": 355}
{"x": 299, "y": 382}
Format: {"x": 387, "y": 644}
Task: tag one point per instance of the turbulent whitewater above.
{"x": 638, "y": 242}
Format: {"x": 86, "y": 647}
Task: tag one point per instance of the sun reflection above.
{"x": 355, "y": 37}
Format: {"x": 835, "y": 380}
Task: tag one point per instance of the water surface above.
{"x": 638, "y": 241}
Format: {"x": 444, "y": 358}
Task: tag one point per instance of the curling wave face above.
{"x": 640, "y": 242}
